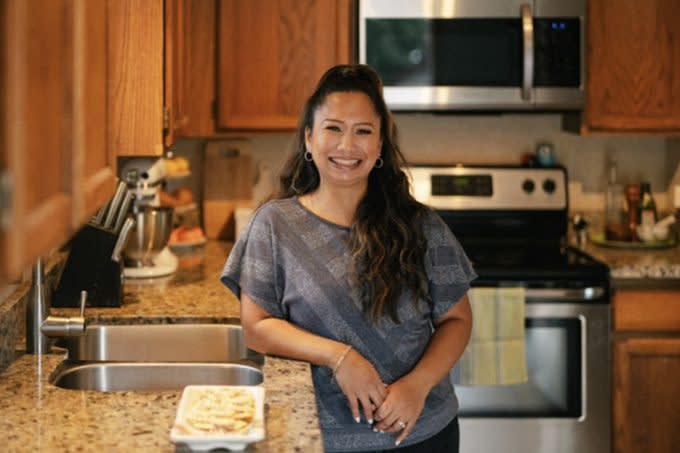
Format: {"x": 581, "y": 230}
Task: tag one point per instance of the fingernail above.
{"x": 382, "y": 432}
{"x": 370, "y": 421}
{"x": 358, "y": 420}
{"x": 375, "y": 430}
{"x": 397, "y": 443}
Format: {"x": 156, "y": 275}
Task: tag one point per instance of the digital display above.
{"x": 465, "y": 185}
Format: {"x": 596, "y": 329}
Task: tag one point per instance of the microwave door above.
{"x": 456, "y": 59}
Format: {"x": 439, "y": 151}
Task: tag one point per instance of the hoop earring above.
{"x": 308, "y": 156}
{"x": 379, "y": 163}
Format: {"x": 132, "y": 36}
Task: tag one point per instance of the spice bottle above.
{"x": 632, "y": 207}
{"x": 648, "y": 214}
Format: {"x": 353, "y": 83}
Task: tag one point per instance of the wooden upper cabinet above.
{"x": 197, "y": 70}
{"x": 94, "y": 163}
{"x": 56, "y": 166}
{"x": 176, "y": 18}
{"x": 135, "y": 95}
{"x": 271, "y": 53}
{"x": 633, "y": 66}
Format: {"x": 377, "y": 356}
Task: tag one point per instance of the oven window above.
{"x": 445, "y": 52}
{"x": 553, "y": 354}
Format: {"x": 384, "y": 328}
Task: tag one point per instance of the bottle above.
{"x": 615, "y": 224}
{"x": 632, "y": 208}
{"x": 647, "y": 216}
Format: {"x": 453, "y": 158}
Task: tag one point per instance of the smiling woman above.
{"x": 346, "y": 270}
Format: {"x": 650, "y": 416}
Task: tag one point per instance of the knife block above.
{"x": 89, "y": 267}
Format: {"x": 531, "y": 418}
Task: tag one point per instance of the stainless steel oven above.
{"x": 512, "y": 222}
{"x": 476, "y": 54}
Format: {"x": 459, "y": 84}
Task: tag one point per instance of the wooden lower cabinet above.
{"x": 646, "y": 372}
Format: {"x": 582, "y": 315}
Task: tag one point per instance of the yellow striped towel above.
{"x": 495, "y": 354}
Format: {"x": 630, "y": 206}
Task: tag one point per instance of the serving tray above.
{"x": 200, "y": 440}
{"x": 599, "y": 239}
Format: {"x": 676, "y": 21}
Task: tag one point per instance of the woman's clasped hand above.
{"x": 389, "y": 408}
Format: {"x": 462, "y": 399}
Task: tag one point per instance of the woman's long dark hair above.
{"x": 386, "y": 238}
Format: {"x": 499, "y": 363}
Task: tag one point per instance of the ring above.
{"x": 401, "y": 424}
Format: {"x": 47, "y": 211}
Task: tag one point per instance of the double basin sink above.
{"x": 157, "y": 357}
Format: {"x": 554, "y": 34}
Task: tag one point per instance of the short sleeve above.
{"x": 449, "y": 271}
{"x": 251, "y": 265}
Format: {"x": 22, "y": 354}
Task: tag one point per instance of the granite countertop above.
{"x": 37, "y": 416}
{"x": 639, "y": 268}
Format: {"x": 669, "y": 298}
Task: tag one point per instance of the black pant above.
{"x": 445, "y": 441}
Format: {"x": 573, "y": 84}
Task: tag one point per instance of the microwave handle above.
{"x": 528, "y": 48}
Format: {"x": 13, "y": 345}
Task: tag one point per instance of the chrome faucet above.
{"x": 41, "y": 327}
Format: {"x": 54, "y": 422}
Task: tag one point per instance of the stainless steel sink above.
{"x": 157, "y": 376}
{"x": 161, "y": 343}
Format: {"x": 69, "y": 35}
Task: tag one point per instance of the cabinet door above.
{"x": 53, "y": 151}
{"x": 135, "y": 49}
{"x": 271, "y": 54}
{"x": 94, "y": 165}
{"x": 646, "y": 407}
{"x": 198, "y": 75}
{"x": 176, "y": 15}
{"x": 633, "y": 65}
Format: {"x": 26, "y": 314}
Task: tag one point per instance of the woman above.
{"x": 345, "y": 270}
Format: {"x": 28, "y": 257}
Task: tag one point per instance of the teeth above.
{"x": 345, "y": 161}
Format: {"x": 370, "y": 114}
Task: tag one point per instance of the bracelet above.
{"x": 341, "y": 359}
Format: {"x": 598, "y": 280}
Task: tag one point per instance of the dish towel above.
{"x": 495, "y": 354}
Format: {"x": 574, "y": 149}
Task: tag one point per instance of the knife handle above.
{"x": 101, "y": 214}
{"x": 122, "y": 239}
{"x": 123, "y": 211}
{"x": 115, "y": 204}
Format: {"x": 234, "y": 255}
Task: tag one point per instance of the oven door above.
{"x": 565, "y": 404}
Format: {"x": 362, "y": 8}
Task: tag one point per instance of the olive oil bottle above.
{"x": 648, "y": 214}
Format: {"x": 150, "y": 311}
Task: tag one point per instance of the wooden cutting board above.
{"x": 227, "y": 184}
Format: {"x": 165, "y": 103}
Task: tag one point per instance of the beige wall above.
{"x": 428, "y": 138}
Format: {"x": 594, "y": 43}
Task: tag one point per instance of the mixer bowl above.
{"x": 149, "y": 236}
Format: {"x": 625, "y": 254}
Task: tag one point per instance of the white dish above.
{"x": 205, "y": 440}
{"x": 165, "y": 263}
{"x": 186, "y": 246}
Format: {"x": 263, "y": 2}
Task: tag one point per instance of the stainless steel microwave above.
{"x": 476, "y": 54}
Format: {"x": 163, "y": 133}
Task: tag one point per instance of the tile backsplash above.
{"x": 503, "y": 139}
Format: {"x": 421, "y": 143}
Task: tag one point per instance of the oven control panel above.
{"x": 489, "y": 188}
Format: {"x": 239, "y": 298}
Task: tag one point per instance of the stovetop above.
{"x": 536, "y": 266}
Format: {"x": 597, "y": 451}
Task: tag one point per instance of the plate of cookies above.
{"x": 219, "y": 416}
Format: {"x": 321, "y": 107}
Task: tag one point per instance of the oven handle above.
{"x": 528, "y": 51}
{"x": 565, "y": 294}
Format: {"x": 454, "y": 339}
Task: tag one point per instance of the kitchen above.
{"x": 638, "y": 133}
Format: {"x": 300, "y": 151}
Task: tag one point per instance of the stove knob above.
{"x": 549, "y": 185}
{"x": 528, "y": 186}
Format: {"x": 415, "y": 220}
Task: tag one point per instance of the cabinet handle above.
{"x": 5, "y": 199}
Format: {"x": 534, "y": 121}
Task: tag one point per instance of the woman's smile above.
{"x": 339, "y": 161}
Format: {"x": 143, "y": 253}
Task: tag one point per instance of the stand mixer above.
{"x": 146, "y": 253}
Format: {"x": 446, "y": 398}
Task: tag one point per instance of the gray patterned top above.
{"x": 296, "y": 266}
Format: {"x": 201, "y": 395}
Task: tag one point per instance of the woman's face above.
{"x": 345, "y": 142}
